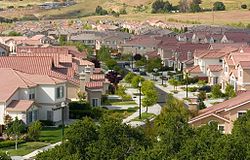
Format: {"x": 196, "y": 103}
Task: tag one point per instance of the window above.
{"x": 60, "y": 92}
{"x": 32, "y": 93}
{"x": 240, "y": 73}
{"x": 221, "y": 128}
{"x": 226, "y": 68}
{"x": 220, "y": 60}
{"x": 241, "y": 113}
{"x": 95, "y": 102}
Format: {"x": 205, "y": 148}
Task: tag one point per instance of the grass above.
{"x": 144, "y": 116}
{"x": 50, "y": 135}
{"x": 123, "y": 103}
{"x": 24, "y": 148}
{"x": 124, "y": 113}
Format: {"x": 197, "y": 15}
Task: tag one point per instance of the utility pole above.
{"x": 139, "y": 85}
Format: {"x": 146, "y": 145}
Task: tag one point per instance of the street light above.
{"x": 162, "y": 72}
{"x": 140, "y": 85}
{"x": 155, "y": 70}
{"x": 186, "y": 85}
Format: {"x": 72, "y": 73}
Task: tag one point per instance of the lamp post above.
{"x": 162, "y": 72}
{"x": 63, "y": 105}
{"x": 155, "y": 70}
{"x": 186, "y": 85}
{"x": 139, "y": 85}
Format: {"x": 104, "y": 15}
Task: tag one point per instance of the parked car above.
{"x": 135, "y": 70}
{"x": 205, "y": 88}
{"x": 143, "y": 73}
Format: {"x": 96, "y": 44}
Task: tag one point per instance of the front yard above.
{"x": 48, "y": 136}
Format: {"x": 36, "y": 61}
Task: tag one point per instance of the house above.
{"x": 224, "y": 113}
{"x": 209, "y": 61}
{"x": 37, "y": 40}
{"x": 140, "y": 45}
{"x": 113, "y": 40}
{"x": 89, "y": 39}
{"x": 31, "y": 97}
{"x": 236, "y": 70}
{"x": 214, "y": 73}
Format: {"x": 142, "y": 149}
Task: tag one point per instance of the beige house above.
{"x": 224, "y": 113}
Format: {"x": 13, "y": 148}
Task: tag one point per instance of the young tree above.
{"x": 219, "y": 6}
{"x": 15, "y": 130}
{"x": 216, "y": 92}
{"x": 229, "y": 91}
{"x": 34, "y": 130}
{"x": 135, "y": 81}
{"x": 128, "y": 78}
{"x": 195, "y": 7}
{"x": 150, "y": 98}
{"x": 111, "y": 63}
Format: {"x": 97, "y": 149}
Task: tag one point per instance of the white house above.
{"x": 31, "y": 97}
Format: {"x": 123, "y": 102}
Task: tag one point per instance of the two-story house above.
{"x": 31, "y": 97}
{"x": 224, "y": 113}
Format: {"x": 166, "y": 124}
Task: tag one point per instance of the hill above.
{"x": 87, "y": 7}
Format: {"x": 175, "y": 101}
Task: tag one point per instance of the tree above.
{"x": 159, "y": 6}
{"x": 82, "y": 96}
{"x": 183, "y": 6}
{"x": 243, "y": 6}
{"x": 195, "y": 7}
{"x": 153, "y": 63}
{"x": 229, "y": 91}
{"x": 7, "y": 119}
{"x": 219, "y": 6}
{"x": 135, "y": 81}
{"x": 34, "y": 130}
{"x": 4, "y": 156}
{"x": 15, "y": 129}
{"x": 137, "y": 57}
{"x": 103, "y": 54}
{"x": 216, "y": 92}
{"x": 172, "y": 128}
{"x": 150, "y": 98}
{"x": 111, "y": 63}
{"x": 197, "y": 1}
{"x": 128, "y": 78}
{"x": 100, "y": 11}
{"x": 120, "y": 91}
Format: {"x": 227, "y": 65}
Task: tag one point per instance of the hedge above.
{"x": 9, "y": 143}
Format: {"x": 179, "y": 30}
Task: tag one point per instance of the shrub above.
{"x": 34, "y": 130}
{"x": 219, "y": 6}
{"x": 192, "y": 89}
{"x": 9, "y": 143}
{"x": 243, "y": 6}
{"x": 4, "y": 156}
{"x": 47, "y": 123}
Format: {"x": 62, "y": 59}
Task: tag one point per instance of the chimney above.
{"x": 87, "y": 73}
{"x": 82, "y": 81}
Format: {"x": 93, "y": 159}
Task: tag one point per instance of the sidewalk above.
{"x": 35, "y": 152}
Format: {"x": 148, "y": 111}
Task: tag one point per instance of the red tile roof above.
{"x": 215, "y": 68}
{"x": 19, "y": 106}
{"x": 245, "y": 64}
{"x": 94, "y": 85}
{"x": 194, "y": 69}
{"x": 97, "y": 77}
{"x": 224, "y": 106}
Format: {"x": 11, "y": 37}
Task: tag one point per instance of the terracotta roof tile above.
{"x": 94, "y": 85}
{"x": 194, "y": 69}
{"x": 215, "y": 68}
{"x": 19, "y": 106}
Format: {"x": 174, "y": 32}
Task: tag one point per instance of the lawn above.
{"x": 51, "y": 135}
{"x": 123, "y": 113}
{"x": 144, "y": 116}
{"x": 24, "y": 148}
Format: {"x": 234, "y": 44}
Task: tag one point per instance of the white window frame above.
{"x": 32, "y": 93}
{"x": 61, "y": 92}
{"x": 244, "y": 111}
{"x": 96, "y": 104}
{"x": 221, "y": 125}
